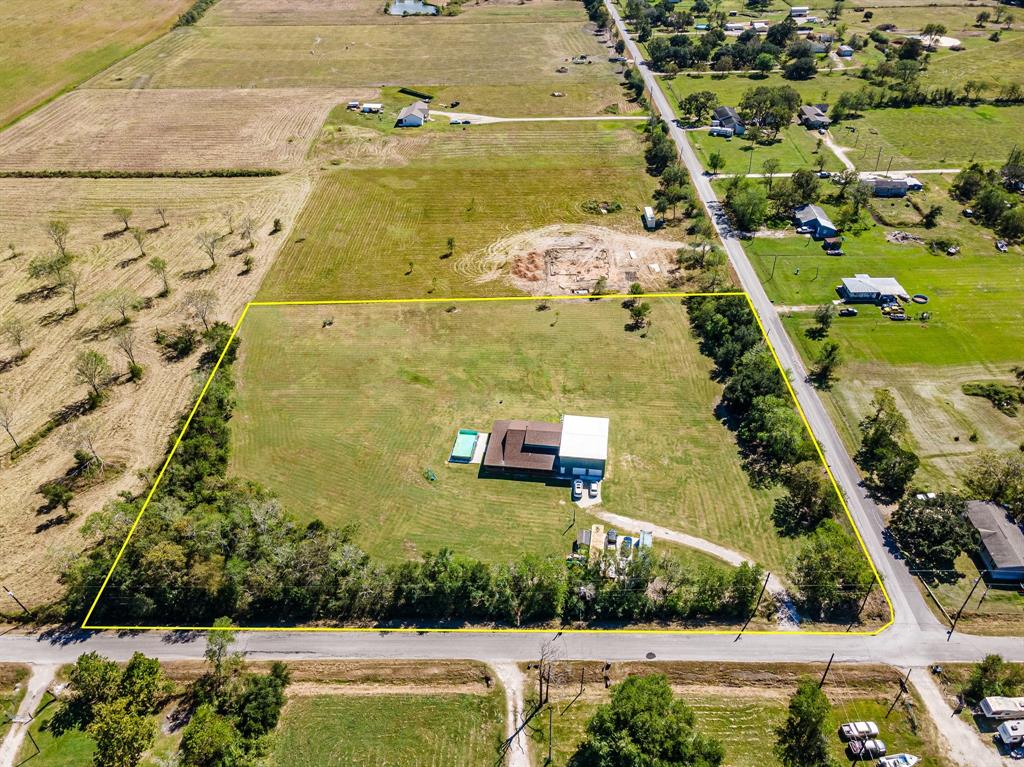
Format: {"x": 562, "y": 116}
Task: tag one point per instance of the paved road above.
{"x": 911, "y": 611}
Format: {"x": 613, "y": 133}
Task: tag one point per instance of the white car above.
{"x": 898, "y": 760}
{"x": 592, "y": 489}
{"x": 577, "y": 489}
{"x": 858, "y": 731}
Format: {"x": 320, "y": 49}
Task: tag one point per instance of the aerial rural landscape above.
{"x": 593, "y": 383}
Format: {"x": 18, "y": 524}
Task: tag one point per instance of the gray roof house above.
{"x": 865, "y": 289}
{"x": 727, "y": 118}
{"x": 813, "y": 117}
{"x": 1002, "y": 541}
{"x": 887, "y": 187}
{"x": 814, "y": 219}
{"x": 413, "y": 116}
{"x": 845, "y": 51}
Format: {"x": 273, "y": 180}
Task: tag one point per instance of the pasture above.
{"x": 382, "y": 232}
{"x": 415, "y": 373}
{"x": 130, "y": 429}
{"x": 795, "y": 148}
{"x": 824, "y": 87}
{"x": 743, "y": 715}
{"x": 92, "y": 36}
{"x": 417, "y": 730}
{"x": 160, "y": 130}
{"x": 931, "y": 137}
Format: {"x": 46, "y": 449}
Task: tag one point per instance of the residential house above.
{"x": 576, "y": 448}
{"x": 813, "y": 117}
{"x": 1002, "y": 541}
{"x": 882, "y": 186}
{"x": 865, "y": 289}
{"x": 413, "y": 116}
{"x": 727, "y": 118}
{"x": 815, "y": 221}
{"x": 799, "y": 10}
{"x": 845, "y": 51}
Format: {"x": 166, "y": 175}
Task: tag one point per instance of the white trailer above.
{"x": 999, "y": 707}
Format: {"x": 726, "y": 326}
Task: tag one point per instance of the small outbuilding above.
{"x": 816, "y": 221}
{"x": 1002, "y": 541}
{"x": 413, "y": 116}
{"x": 799, "y": 10}
{"x": 845, "y": 51}
{"x": 371, "y": 108}
{"x": 650, "y": 222}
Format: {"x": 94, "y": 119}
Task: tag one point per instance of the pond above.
{"x": 411, "y": 8}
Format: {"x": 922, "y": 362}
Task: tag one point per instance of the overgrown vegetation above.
{"x": 1005, "y": 398}
{"x": 215, "y": 173}
{"x": 993, "y": 676}
{"x": 194, "y": 13}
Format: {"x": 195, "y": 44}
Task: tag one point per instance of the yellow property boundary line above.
{"x": 414, "y": 629}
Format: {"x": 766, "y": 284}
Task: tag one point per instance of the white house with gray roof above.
{"x": 413, "y": 116}
{"x": 1002, "y": 541}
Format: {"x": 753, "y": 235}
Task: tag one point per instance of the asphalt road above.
{"x": 910, "y": 609}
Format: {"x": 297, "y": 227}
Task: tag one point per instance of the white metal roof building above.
{"x": 583, "y": 450}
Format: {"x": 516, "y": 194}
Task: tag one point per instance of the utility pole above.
{"x": 879, "y": 158}
{"x": 889, "y": 167}
{"x": 551, "y": 730}
{"x": 827, "y": 668}
{"x": 750, "y": 164}
{"x": 900, "y": 694}
{"x": 772, "y": 275}
{"x": 11, "y": 595}
{"x": 756, "y": 605}
{"x": 958, "y": 612}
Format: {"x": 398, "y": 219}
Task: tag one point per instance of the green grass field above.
{"x": 12, "y": 676}
{"x": 823, "y": 87}
{"x": 414, "y": 374}
{"x": 381, "y": 232}
{"x": 795, "y": 148}
{"x": 745, "y": 724}
{"x": 33, "y": 67}
{"x": 407, "y": 730}
{"x": 74, "y": 748}
{"x": 996, "y": 611}
{"x": 931, "y": 137}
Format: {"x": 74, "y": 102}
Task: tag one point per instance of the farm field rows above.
{"x": 356, "y": 456}
{"x": 93, "y": 35}
{"x": 743, "y": 715}
{"x": 382, "y": 232}
{"x": 130, "y": 429}
{"x": 160, "y": 130}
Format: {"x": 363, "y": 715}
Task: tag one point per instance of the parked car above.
{"x": 803, "y": 230}
{"x": 898, "y": 760}
{"x": 858, "y": 731}
{"x": 824, "y": 173}
{"x": 467, "y": 122}
{"x": 848, "y": 311}
{"x": 968, "y": 213}
{"x": 455, "y": 121}
{"x": 898, "y": 317}
{"x": 593, "y": 488}
{"x": 1001, "y": 246}
{"x": 821, "y": 131}
{"x": 577, "y": 489}
{"x": 866, "y": 749}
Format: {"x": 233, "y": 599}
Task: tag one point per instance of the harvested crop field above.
{"x": 130, "y": 429}
{"x": 366, "y": 56}
{"x": 159, "y": 130}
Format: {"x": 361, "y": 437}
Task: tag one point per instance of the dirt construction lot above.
{"x": 130, "y": 429}
{"x": 160, "y": 130}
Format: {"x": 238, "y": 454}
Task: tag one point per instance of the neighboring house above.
{"x": 760, "y": 26}
{"x": 825, "y": 37}
{"x": 813, "y": 117}
{"x": 650, "y": 222}
{"x": 887, "y": 187}
{"x": 576, "y": 448}
{"x": 734, "y": 26}
{"x": 816, "y": 221}
{"x": 1002, "y": 541}
{"x": 845, "y": 51}
{"x": 799, "y": 10}
{"x": 413, "y": 116}
{"x": 727, "y": 118}
{"x": 865, "y": 289}
{"x": 818, "y": 47}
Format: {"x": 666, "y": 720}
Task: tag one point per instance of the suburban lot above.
{"x": 92, "y": 36}
{"x": 744, "y": 707}
{"x": 166, "y": 130}
{"x": 417, "y": 373}
{"x": 382, "y": 232}
{"x": 131, "y": 428}
{"x": 795, "y": 148}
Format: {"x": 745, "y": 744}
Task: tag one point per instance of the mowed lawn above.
{"x": 343, "y": 422}
{"x": 932, "y": 137}
{"x": 382, "y": 232}
{"x": 394, "y": 729}
{"x": 795, "y": 148}
{"x": 38, "y": 61}
{"x": 745, "y": 725}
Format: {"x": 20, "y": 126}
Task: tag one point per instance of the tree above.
{"x": 246, "y": 229}
{"x": 57, "y": 494}
{"x": 699, "y": 104}
{"x": 930, "y": 219}
{"x": 14, "y": 330}
{"x": 998, "y": 477}
{"x": 639, "y": 313}
{"x": 125, "y": 339}
{"x": 158, "y": 266}
{"x": 218, "y": 654}
{"x": 982, "y": 19}
{"x": 755, "y": 375}
{"x": 210, "y": 740}
{"x": 68, "y": 281}
{"x": 1011, "y": 223}
{"x": 140, "y": 236}
{"x": 201, "y": 305}
{"x": 644, "y": 725}
{"x": 121, "y": 735}
{"x": 91, "y": 368}
{"x": 123, "y": 215}
{"x": 801, "y": 741}
{"x": 122, "y": 301}
{"x": 932, "y": 533}
{"x": 774, "y": 433}
{"x": 806, "y": 185}
{"x": 209, "y": 243}
{"x": 1013, "y": 169}
{"x": 8, "y": 413}
{"x": 143, "y": 684}
{"x": 827, "y": 363}
{"x": 162, "y": 212}
{"x": 800, "y": 69}
{"x": 770, "y": 168}
{"x": 715, "y": 162}
{"x": 993, "y": 676}
{"x": 764, "y": 63}
{"x": 830, "y": 575}
{"x": 257, "y": 706}
{"x": 58, "y": 232}
{"x": 890, "y": 467}
{"x": 931, "y": 32}
{"x": 810, "y": 499}
{"x": 823, "y": 316}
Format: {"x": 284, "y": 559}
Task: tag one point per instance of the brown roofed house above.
{"x": 530, "y": 446}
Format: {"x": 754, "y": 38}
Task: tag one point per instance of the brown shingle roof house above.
{"x": 523, "y": 445}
